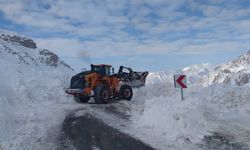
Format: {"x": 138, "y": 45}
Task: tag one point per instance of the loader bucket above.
{"x": 135, "y": 79}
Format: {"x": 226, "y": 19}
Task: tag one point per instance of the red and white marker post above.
{"x": 180, "y": 81}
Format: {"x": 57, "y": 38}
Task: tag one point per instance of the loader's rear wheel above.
{"x": 101, "y": 94}
{"x": 82, "y": 99}
{"x": 126, "y": 92}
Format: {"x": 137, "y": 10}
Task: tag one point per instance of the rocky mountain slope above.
{"x": 19, "y": 49}
{"x": 235, "y": 72}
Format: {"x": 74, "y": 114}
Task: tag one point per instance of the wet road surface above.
{"x": 89, "y": 133}
{"x": 85, "y": 132}
{"x": 219, "y": 141}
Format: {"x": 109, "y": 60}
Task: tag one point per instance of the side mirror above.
{"x": 113, "y": 70}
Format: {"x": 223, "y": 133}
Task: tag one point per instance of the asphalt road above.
{"x": 89, "y": 133}
{"x": 86, "y": 132}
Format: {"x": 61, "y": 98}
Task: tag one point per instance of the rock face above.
{"x": 26, "y": 42}
{"x": 236, "y": 72}
{"x": 49, "y": 58}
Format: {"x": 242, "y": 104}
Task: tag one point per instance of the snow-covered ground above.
{"x": 29, "y": 100}
{"x": 169, "y": 123}
{"x": 33, "y": 104}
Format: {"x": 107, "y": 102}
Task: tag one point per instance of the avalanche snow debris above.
{"x": 31, "y": 91}
{"x": 166, "y": 121}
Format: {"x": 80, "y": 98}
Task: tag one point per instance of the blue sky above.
{"x": 152, "y": 35}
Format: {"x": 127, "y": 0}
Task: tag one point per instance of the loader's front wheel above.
{"x": 101, "y": 94}
{"x": 82, "y": 99}
{"x": 126, "y": 92}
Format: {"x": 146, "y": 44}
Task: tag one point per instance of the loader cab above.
{"x": 102, "y": 69}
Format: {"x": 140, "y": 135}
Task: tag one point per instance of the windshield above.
{"x": 101, "y": 69}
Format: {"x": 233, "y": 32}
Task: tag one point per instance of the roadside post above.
{"x": 180, "y": 81}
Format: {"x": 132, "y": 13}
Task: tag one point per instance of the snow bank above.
{"x": 168, "y": 122}
{"x": 31, "y": 85}
{"x": 28, "y": 98}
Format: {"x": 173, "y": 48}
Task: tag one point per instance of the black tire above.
{"x": 82, "y": 99}
{"x": 101, "y": 94}
{"x": 126, "y": 92}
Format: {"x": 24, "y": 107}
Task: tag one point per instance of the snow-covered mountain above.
{"x": 194, "y": 74}
{"x": 159, "y": 77}
{"x": 235, "y": 72}
{"x": 19, "y": 49}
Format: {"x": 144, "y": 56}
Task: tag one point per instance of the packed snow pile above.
{"x": 168, "y": 122}
{"x": 32, "y": 82}
{"x": 235, "y": 72}
{"x": 29, "y": 73}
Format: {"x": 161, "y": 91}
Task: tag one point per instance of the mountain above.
{"x": 159, "y": 77}
{"x": 194, "y": 74}
{"x": 235, "y": 72}
{"x": 15, "y": 48}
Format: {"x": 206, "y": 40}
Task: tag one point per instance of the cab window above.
{"x": 107, "y": 70}
{"x": 101, "y": 69}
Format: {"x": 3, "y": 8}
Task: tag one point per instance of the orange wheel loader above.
{"x": 103, "y": 85}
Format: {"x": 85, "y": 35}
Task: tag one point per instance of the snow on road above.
{"x": 37, "y": 127}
